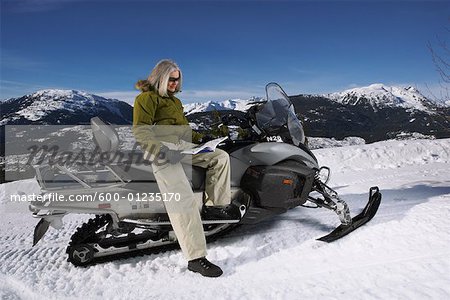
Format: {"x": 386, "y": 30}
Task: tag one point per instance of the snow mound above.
{"x": 390, "y": 154}
{"x": 318, "y": 142}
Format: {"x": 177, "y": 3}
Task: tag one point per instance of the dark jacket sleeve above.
{"x": 143, "y": 118}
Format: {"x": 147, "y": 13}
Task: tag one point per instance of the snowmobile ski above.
{"x": 39, "y": 231}
{"x": 365, "y": 216}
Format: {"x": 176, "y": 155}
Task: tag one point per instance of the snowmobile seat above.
{"x": 105, "y": 136}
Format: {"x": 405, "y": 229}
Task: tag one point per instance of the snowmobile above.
{"x": 272, "y": 171}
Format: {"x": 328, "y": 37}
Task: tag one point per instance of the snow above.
{"x": 403, "y": 253}
{"x": 319, "y": 142}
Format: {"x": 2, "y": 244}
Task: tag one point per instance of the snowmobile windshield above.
{"x": 278, "y": 113}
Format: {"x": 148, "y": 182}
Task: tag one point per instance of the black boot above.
{"x": 205, "y": 267}
{"x": 229, "y": 212}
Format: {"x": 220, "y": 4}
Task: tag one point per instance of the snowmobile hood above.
{"x": 274, "y": 152}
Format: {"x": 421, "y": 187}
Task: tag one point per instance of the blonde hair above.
{"x": 159, "y": 78}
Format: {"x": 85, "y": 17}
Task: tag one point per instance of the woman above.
{"x": 157, "y": 105}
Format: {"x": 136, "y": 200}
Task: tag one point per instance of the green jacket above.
{"x": 152, "y": 109}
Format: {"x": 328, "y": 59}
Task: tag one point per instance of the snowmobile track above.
{"x": 86, "y": 231}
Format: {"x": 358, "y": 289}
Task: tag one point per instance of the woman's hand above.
{"x": 171, "y": 156}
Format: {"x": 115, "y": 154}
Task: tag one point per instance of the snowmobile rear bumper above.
{"x": 365, "y": 216}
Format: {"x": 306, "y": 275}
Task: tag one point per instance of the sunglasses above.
{"x": 173, "y": 79}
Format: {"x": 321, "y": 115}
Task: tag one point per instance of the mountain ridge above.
{"x": 375, "y": 95}
{"x": 379, "y": 95}
{"x": 376, "y": 112}
{"x": 63, "y": 107}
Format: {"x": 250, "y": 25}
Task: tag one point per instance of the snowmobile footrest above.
{"x": 365, "y": 216}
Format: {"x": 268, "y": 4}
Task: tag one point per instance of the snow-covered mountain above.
{"x": 376, "y": 112}
{"x": 42, "y": 104}
{"x": 379, "y": 96}
{"x": 233, "y": 104}
{"x": 58, "y": 107}
{"x": 376, "y": 96}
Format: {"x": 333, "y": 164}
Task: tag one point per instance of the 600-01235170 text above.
{"x": 97, "y": 196}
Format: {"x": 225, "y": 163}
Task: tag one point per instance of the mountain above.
{"x": 375, "y": 96}
{"x": 324, "y": 117}
{"x": 63, "y": 107}
{"x": 375, "y": 113}
{"x": 381, "y": 96}
{"x": 233, "y": 104}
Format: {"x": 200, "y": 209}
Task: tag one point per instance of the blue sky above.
{"x": 226, "y": 49}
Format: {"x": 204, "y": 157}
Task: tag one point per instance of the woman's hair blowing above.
{"x": 159, "y": 78}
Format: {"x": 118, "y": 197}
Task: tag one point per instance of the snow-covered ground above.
{"x": 403, "y": 253}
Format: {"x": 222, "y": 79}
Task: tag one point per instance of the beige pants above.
{"x": 217, "y": 185}
{"x": 184, "y": 215}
